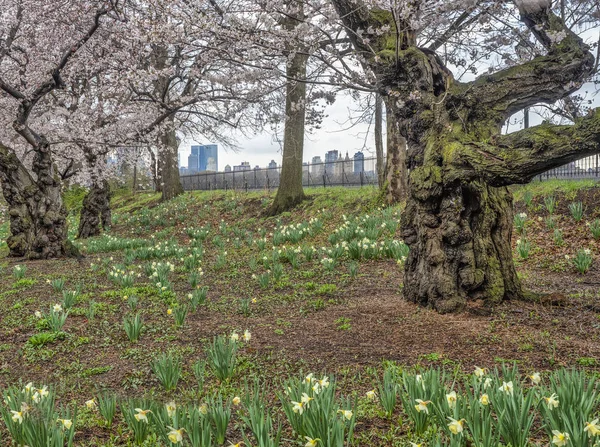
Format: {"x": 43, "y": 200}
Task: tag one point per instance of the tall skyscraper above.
{"x": 193, "y": 163}
{"x": 330, "y": 159}
{"x": 359, "y": 162}
{"x": 208, "y": 157}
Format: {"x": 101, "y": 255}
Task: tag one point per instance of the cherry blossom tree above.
{"x": 458, "y": 218}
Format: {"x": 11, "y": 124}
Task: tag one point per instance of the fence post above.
{"x": 225, "y": 185}
{"x": 268, "y": 183}
{"x": 324, "y": 181}
{"x": 361, "y": 179}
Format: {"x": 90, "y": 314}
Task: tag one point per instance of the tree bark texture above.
{"x": 168, "y": 166}
{"x": 38, "y": 223}
{"x": 290, "y": 192}
{"x": 379, "y": 160}
{"x": 396, "y": 174}
{"x": 95, "y": 211}
{"x": 458, "y": 218}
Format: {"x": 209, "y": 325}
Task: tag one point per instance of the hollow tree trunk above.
{"x": 168, "y": 166}
{"x": 379, "y": 160}
{"x": 290, "y": 191}
{"x": 38, "y": 223}
{"x": 396, "y": 174}
{"x": 95, "y": 210}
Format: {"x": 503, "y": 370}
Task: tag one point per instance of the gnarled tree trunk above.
{"x": 38, "y": 223}
{"x": 396, "y": 175}
{"x": 168, "y": 166}
{"x": 95, "y": 211}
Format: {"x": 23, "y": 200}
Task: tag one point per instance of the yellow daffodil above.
{"x": 346, "y": 413}
{"x": 236, "y": 400}
{"x": 90, "y": 404}
{"x": 169, "y": 311}
{"x": 422, "y": 405}
{"x": 239, "y": 444}
{"x": 175, "y": 436}
{"x": 413, "y": 444}
{"x": 171, "y": 409}
{"x": 17, "y": 416}
{"x": 372, "y": 395}
{"x": 247, "y": 335}
{"x": 507, "y": 387}
{"x": 310, "y": 442}
{"x": 479, "y": 372}
{"x": 592, "y": 428}
{"x": 203, "y": 408}
{"x": 484, "y": 399}
{"x": 67, "y": 423}
{"x": 451, "y": 399}
{"x": 455, "y": 426}
{"x": 141, "y": 415}
{"x": 552, "y": 401}
{"x": 560, "y": 439}
{"x": 298, "y": 407}
{"x": 535, "y": 378}
{"x": 254, "y": 300}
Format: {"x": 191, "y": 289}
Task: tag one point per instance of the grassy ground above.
{"x": 292, "y": 283}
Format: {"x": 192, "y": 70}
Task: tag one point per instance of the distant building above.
{"x": 305, "y": 167}
{"x": 317, "y": 167}
{"x": 256, "y": 168}
{"x": 207, "y": 157}
{"x": 330, "y": 159}
{"x": 227, "y": 168}
{"x": 244, "y": 166}
{"x": 359, "y": 162}
{"x": 273, "y": 165}
{"x": 347, "y": 166}
{"x": 192, "y": 163}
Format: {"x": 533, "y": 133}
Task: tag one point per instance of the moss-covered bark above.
{"x": 95, "y": 212}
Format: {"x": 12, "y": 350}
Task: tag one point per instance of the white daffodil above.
{"x": 455, "y": 426}
{"x": 90, "y": 404}
{"x": 310, "y": 442}
{"x": 28, "y": 388}
{"x": 479, "y": 372}
{"x": 372, "y": 395}
{"x": 57, "y": 307}
{"x": 451, "y": 399}
{"x": 305, "y": 399}
{"x": 552, "y": 401}
{"x": 298, "y": 407}
{"x": 247, "y": 335}
{"x": 422, "y": 405}
{"x": 141, "y": 415}
{"x": 67, "y": 423}
{"x": 559, "y": 439}
{"x": 324, "y": 382}
{"x": 484, "y": 399}
{"x": 38, "y": 314}
{"x": 507, "y": 388}
{"x": 346, "y": 413}
{"x": 235, "y": 336}
{"x": 309, "y": 378}
{"x": 175, "y": 436}
{"x": 592, "y": 428}
{"x": 171, "y": 409}
{"x": 535, "y": 378}
{"x": 487, "y": 383}
{"x": 17, "y": 416}
{"x": 236, "y": 400}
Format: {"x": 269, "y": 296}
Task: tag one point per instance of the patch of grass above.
{"x": 89, "y": 372}
{"x": 44, "y": 338}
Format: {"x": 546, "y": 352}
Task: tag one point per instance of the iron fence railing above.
{"x": 348, "y": 173}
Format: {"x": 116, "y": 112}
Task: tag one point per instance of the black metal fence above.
{"x": 348, "y": 173}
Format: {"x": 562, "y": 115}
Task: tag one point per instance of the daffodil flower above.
{"x": 372, "y": 395}
{"x": 422, "y": 405}
{"x": 507, "y": 387}
{"x": 171, "y": 408}
{"x": 17, "y": 416}
{"x": 484, "y": 399}
{"x": 535, "y": 378}
{"x": 203, "y": 409}
{"x": 57, "y": 308}
{"x": 310, "y": 442}
{"x": 236, "y": 400}
{"x": 67, "y": 423}
{"x": 346, "y": 413}
{"x": 239, "y": 444}
{"x": 479, "y": 372}
{"x": 305, "y": 399}
{"x": 175, "y": 436}
{"x": 487, "y": 383}
{"x": 552, "y": 401}
{"x": 309, "y": 378}
{"x": 324, "y": 382}
{"x": 247, "y": 335}
{"x": 451, "y": 399}
{"x": 412, "y": 444}
{"x": 169, "y": 311}
{"x": 235, "y": 336}
{"x": 38, "y": 314}
{"x": 592, "y": 428}
{"x": 90, "y": 404}
{"x": 141, "y": 415}
{"x": 298, "y": 407}
{"x": 455, "y": 426}
{"x": 28, "y": 388}
{"x": 560, "y": 439}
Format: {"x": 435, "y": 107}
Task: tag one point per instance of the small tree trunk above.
{"x": 396, "y": 174}
{"x": 168, "y": 166}
{"x": 154, "y": 164}
{"x": 290, "y": 191}
{"x": 95, "y": 210}
{"x": 38, "y": 223}
{"x": 379, "y": 141}
{"x": 134, "y": 186}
